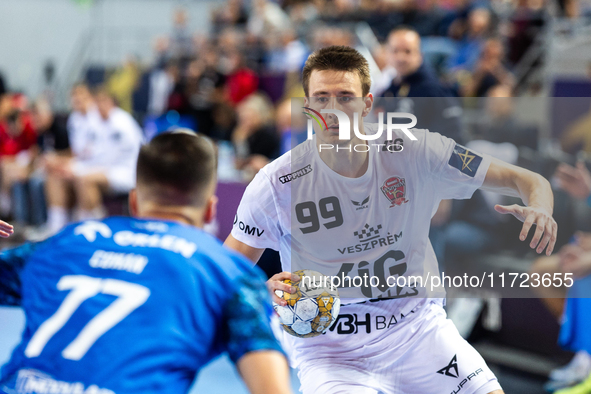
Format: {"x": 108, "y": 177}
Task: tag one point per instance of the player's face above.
{"x": 405, "y": 52}
{"x": 341, "y": 90}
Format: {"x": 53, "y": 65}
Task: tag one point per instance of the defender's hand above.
{"x": 5, "y": 229}
{"x": 275, "y": 283}
{"x": 545, "y": 225}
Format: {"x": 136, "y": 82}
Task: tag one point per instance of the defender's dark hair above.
{"x": 338, "y": 58}
{"x": 180, "y": 163}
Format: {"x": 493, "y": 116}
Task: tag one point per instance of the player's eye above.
{"x": 321, "y": 100}
{"x": 345, "y": 99}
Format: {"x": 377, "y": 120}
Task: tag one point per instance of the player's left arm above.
{"x": 265, "y": 372}
{"x": 12, "y": 262}
{"x": 535, "y": 192}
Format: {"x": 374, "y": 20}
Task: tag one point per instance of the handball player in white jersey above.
{"x": 367, "y": 211}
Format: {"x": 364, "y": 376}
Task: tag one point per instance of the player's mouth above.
{"x": 332, "y": 129}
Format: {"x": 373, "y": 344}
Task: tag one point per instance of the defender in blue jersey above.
{"x": 140, "y": 305}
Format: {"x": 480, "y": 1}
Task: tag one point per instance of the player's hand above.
{"x": 583, "y": 240}
{"x": 276, "y": 283}
{"x": 576, "y": 181}
{"x": 545, "y": 225}
{"x": 575, "y": 260}
{"x": 6, "y": 229}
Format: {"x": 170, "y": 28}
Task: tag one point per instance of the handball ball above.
{"x": 312, "y": 309}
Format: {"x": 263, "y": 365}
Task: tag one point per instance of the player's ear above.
{"x": 210, "y": 209}
{"x": 133, "y": 202}
{"x": 368, "y": 100}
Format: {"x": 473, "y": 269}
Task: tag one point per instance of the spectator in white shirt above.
{"x": 103, "y": 162}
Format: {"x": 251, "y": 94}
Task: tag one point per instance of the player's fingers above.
{"x": 528, "y": 222}
{"x": 564, "y": 180}
{"x": 5, "y": 234}
{"x": 278, "y": 300}
{"x": 581, "y": 166}
{"x": 567, "y": 171}
{"x": 540, "y": 226}
{"x": 282, "y": 276}
{"x": 546, "y": 238}
{"x": 6, "y": 227}
{"x": 552, "y": 242}
{"x": 278, "y": 285}
{"x": 515, "y": 210}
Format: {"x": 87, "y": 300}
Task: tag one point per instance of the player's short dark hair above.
{"x": 179, "y": 162}
{"x": 338, "y": 58}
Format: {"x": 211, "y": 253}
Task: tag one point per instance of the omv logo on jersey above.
{"x": 344, "y": 125}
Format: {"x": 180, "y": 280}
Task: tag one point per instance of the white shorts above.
{"x": 121, "y": 179}
{"x": 437, "y": 360}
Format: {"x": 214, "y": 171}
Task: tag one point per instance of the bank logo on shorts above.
{"x": 464, "y": 160}
{"x": 450, "y": 369}
{"x": 394, "y": 189}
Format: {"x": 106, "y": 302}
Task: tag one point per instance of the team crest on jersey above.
{"x": 394, "y": 189}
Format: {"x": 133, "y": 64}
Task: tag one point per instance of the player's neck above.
{"x": 179, "y": 215}
{"x": 350, "y": 164}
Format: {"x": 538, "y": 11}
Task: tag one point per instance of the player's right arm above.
{"x": 256, "y": 227}
{"x": 253, "y": 254}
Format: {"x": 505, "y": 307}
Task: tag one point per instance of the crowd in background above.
{"x": 234, "y": 84}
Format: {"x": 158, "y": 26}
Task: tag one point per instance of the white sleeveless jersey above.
{"x": 375, "y": 225}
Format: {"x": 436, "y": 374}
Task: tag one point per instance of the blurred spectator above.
{"x": 289, "y": 56}
{"x": 104, "y": 165}
{"x": 458, "y": 220}
{"x": 255, "y": 139}
{"x": 577, "y": 136}
{"x": 470, "y": 45}
{"x": 123, "y": 82}
{"x": 82, "y": 121}
{"x": 52, "y": 148}
{"x": 291, "y": 129}
{"x": 266, "y": 18}
{"x": 162, "y": 83}
{"x": 241, "y": 81}
{"x": 525, "y": 25}
{"x": 385, "y": 60}
{"x": 17, "y": 137}
{"x": 501, "y": 124}
{"x": 570, "y": 306}
{"x": 416, "y": 80}
{"x": 232, "y": 13}
{"x": 489, "y": 70}
{"x": 181, "y": 41}
{"x": 204, "y": 90}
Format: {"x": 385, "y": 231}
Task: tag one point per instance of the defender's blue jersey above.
{"x": 129, "y": 306}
